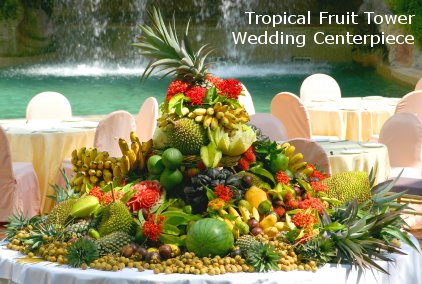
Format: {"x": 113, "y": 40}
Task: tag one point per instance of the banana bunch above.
{"x": 235, "y": 222}
{"x": 219, "y": 115}
{"x": 134, "y": 157}
{"x": 92, "y": 167}
{"x": 296, "y": 162}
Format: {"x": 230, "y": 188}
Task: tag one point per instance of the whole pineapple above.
{"x": 262, "y": 257}
{"x": 78, "y": 229}
{"x": 113, "y": 242}
{"x": 245, "y": 242}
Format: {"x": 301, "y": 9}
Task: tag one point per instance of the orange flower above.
{"x": 217, "y": 204}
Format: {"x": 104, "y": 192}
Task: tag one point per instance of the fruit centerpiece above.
{"x": 209, "y": 194}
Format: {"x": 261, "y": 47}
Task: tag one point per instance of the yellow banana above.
{"x": 219, "y": 115}
{"x": 81, "y": 152}
{"x": 185, "y": 111}
{"x": 285, "y": 145}
{"x": 98, "y": 173}
{"x": 224, "y": 121}
{"x": 87, "y": 160}
{"x": 102, "y": 156}
{"x": 79, "y": 163}
{"x": 141, "y": 160}
{"x": 77, "y": 180}
{"x": 135, "y": 146}
{"x": 100, "y": 165}
{"x": 233, "y": 212}
{"x": 200, "y": 111}
{"x": 255, "y": 214}
{"x": 91, "y": 172}
{"x": 191, "y": 115}
{"x": 134, "y": 138}
{"x": 93, "y": 180}
{"x": 223, "y": 213}
{"x": 207, "y": 120}
{"x": 298, "y": 166}
{"x": 217, "y": 106}
{"x": 296, "y": 158}
{"x": 199, "y": 118}
{"x": 124, "y": 147}
{"x": 93, "y": 153}
{"x": 108, "y": 164}
{"x": 102, "y": 183}
{"x": 131, "y": 156}
{"x": 246, "y": 215}
{"x": 117, "y": 171}
{"x": 271, "y": 232}
{"x": 75, "y": 154}
{"x": 229, "y": 224}
{"x": 107, "y": 175}
{"x": 93, "y": 165}
{"x": 308, "y": 171}
{"x": 210, "y": 111}
{"x": 146, "y": 146}
{"x": 236, "y": 233}
{"x": 214, "y": 123}
{"x": 125, "y": 164}
{"x": 288, "y": 152}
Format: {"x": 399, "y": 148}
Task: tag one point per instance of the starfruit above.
{"x": 85, "y": 206}
{"x": 235, "y": 145}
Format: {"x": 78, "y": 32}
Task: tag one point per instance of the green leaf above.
{"x": 127, "y": 196}
{"x": 210, "y": 155}
{"x": 210, "y": 194}
{"x": 178, "y": 218}
{"x": 170, "y": 229}
{"x": 210, "y": 96}
{"x": 334, "y": 227}
{"x": 171, "y": 239}
{"x": 176, "y": 100}
{"x": 260, "y": 171}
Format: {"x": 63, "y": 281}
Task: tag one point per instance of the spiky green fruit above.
{"x": 262, "y": 257}
{"x": 61, "y": 212}
{"x": 245, "y": 242}
{"x": 78, "y": 229}
{"x": 347, "y": 186}
{"x": 85, "y": 206}
{"x": 116, "y": 217}
{"x": 187, "y": 136}
{"x": 82, "y": 251}
{"x": 113, "y": 242}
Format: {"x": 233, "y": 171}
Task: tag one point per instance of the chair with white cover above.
{"x": 402, "y": 134}
{"x": 313, "y": 152}
{"x": 320, "y": 86}
{"x": 412, "y": 102}
{"x": 19, "y": 188}
{"x": 49, "y": 105}
{"x": 418, "y": 86}
{"x": 146, "y": 121}
{"x": 291, "y": 111}
{"x": 115, "y": 125}
{"x": 246, "y": 101}
{"x": 269, "y": 125}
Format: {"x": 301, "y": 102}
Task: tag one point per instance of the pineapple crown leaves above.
{"x": 19, "y": 221}
{"x": 262, "y": 257}
{"x": 82, "y": 251}
{"x": 65, "y": 193}
{"x": 169, "y": 55}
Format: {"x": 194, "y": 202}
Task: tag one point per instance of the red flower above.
{"x": 96, "y": 191}
{"x": 153, "y": 226}
{"x": 280, "y": 211}
{"x": 223, "y": 192}
{"x": 292, "y": 204}
{"x": 213, "y": 79}
{"x": 243, "y": 164}
{"x": 318, "y": 186}
{"x": 282, "y": 177}
{"x": 303, "y": 219}
{"x": 316, "y": 174}
{"x": 176, "y": 87}
{"x": 231, "y": 88}
{"x": 148, "y": 193}
{"x": 311, "y": 202}
{"x": 108, "y": 197}
{"x": 288, "y": 196}
{"x": 196, "y": 95}
{"x": 249, "y": 155}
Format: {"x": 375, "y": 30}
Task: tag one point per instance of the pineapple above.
{"x": 113, "y": 242}
{"x": 62, "y": 194}
{"x": 82, "y": 251}
{"x": 78, "y": 229}
{"x": 169, "y": 55}
{"x": 245, "y": 242}
{"x": 262, "y": 257}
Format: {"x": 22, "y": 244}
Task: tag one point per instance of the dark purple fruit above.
{"x": 142, "y": 252}
{"x": 165, "y": 251}
{"x": 297, "y": 189}
{"x": 247, "y": 180}
{"x": 153, "y": 257}
{"x": 145, "y": 213}
{"x": 256, "y": 231}
{"x": 127, "y": 251}
{"x": 134, "y": 246}
{"x": 253, "y": 223}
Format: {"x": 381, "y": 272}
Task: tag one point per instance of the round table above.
{"x": 362, "y": 117}
{"x": 45, "y": 144}
{"x": 405, "y": 269}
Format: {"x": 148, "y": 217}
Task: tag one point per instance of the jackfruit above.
{"x": 60, "y": 214}
{"x": 187, "y": 136}
{"x": 113, "y": 242}
{"x": 116, "y": 217}
{"x": 347, "y": 186}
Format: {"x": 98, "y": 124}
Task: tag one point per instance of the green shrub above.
{"x": 9, "y": 9}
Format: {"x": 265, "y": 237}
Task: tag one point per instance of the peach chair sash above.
{"x": 115, "y": 125}
{"x": 269, "y": 126}
{"x": 7, "y": 181}
{"x": 418, "y": 86}
{"x": 313, "y": 152}
{"x": 146, "y": 121}
{"x": 49, "y": 105}
{"x": 402, "y": 133}
{"x": 320, "y": 86}
{"x": 247, "y": 101}
{"x": 412, "y": 102}
{"x": 290, "y": 110}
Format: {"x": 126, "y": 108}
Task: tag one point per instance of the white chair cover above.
{"x": 146, "y": 121}
{"x": 412, "y": 102}
{"x": 313, "y": 152}
{"x": 418, "y": 86}
{"x": 319, "y": 86}
{"x": 289, "y": 109}
{"x": 402, "y": 134}
{"x": 117, "y": 124}
{"x": 270, "y": 126}
{"x": 19, "y": 188}
{"x": 247, "y": 101}
{"x": 49, "y": 105}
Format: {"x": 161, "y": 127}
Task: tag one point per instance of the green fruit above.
{"x": 155, "y": 165}
{"x": 172, "y": 158}
{"x": 61, "y": 212}
{"x": 169, "y": 179}
{"x": 187, "y": 136}
{"x": 116, "y": 217}
{"x": 265, "y": 207}
{"x": 113, "y": 242}
{"x": 278, "y": 162}
{"x": 94, "y": 233}
{"x": 209, "y": 237}
{"x": 153, "y": 177}
{"x": 245, "y": 204}
{"x": 289, "y": 173}
{"x": 85, "y": 206}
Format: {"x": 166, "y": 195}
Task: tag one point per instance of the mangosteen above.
{"x": 256, "y": 231}
{"x": 253, "y": 223}
{"x": 165, "y": 251}
{"x": 153, "y": 257}
{"x": 142, "y": 252}
{"x": 127, "y": 251}
{"x": 247, "y": 180}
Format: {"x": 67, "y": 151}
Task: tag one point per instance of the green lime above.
{"x": 265, "y": 207}
{"x": 172, "y": 158}
{"x": 278, "y": 162}
{"x": 245, "y": 204}
{"x": 169, "y": 179}
{"x": 155, "y": 165}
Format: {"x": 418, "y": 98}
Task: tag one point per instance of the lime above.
{"x": 278, "y": 162}
{"x": 171, "y": 178}
{"x": 265, "y": 207}
{"x": 172, "y": 158}
{"x": 155, "y": 165}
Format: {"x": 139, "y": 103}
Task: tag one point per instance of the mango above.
{"x": 254, "y": 195}
{"x": 268, "y": 221}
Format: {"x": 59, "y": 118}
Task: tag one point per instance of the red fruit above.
{"x": 280, "y": 211}
{"x": 288, "y": 196}
{"x": 292, "y": 204}
{"x": 297, "y": 189}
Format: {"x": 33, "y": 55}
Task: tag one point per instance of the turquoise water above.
{"x": 99, "y": 90}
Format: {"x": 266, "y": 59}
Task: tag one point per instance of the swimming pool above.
{"x": 95, "y": 90}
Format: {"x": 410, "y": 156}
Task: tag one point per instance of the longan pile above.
{"x": 54, "y": 252}
{"x": 112, "y": 263}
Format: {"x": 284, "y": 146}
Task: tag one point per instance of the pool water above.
{"x": 94, "y": 90}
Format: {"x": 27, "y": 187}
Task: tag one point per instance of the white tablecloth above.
{"x": 362, "y": 117}
{"x": 405, "y": 270}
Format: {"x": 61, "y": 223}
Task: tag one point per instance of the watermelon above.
{"x": 209, "y": 237}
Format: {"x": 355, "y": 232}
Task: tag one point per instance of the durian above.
{"x": 116, "y": 217}
{"x": 347, "y": 186}
{"x": 187, "y": 136}
{"x": 61, "y": 212}
{"x": 113, "y": 242}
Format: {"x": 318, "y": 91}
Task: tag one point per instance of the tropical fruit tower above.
{"x": 209, "y": 194}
